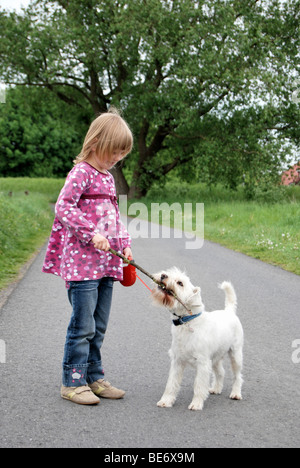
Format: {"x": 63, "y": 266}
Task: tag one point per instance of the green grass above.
{"x": 25, "y": 221}
{"x": 267, "y": 229}
{"x": 46, "y": 186}
{"x": 268, "y": 232}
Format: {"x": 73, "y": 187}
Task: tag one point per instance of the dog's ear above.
{"x": 196, "y": 296}
{"x": 195, "y": 300}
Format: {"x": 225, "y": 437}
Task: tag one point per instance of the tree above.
{"x": 37, "y": 143}
{"x": 175, "y": 67}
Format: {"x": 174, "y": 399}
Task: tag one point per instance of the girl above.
{"x": 86, "y": 225}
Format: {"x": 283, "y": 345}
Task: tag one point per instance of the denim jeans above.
{"x": 91, "y": 302}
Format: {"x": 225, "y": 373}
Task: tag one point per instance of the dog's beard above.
{"x": 162, "y": 297}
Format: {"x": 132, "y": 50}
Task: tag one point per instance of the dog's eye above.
{"x": 164, "y": 277}
{"x": 180, "y": 283}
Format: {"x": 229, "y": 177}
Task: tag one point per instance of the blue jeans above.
{"x": 91, "y": 302}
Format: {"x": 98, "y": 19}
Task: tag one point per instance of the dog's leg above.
{"x": 173, "y": 385}
{"x": 236, "y": 357}
{"x": 201, "y": 386}
{"x": 218, "y": 378}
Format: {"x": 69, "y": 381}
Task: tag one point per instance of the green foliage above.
{"x": 267, "y": 228}
{"x": 176, "y": 190}
{"x": 37, "y": 136}
{"x": 206, "y": 86}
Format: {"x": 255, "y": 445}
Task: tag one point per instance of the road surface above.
{"x": 33, "y": 325}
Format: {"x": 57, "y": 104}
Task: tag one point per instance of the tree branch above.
{"x": 169, "y": 167}
{"x": 97, "y": 93}
{"x": 162, "y": 132}
{"x": 51, "y": 87}
{"x": 213, "y": 104}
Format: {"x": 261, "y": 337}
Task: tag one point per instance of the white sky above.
{"x": 14, "y": 4}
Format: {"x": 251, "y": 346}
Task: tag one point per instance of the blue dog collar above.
{"x": 187, "y": 318}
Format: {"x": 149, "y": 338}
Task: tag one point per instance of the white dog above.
{"x": 200, "y": 339}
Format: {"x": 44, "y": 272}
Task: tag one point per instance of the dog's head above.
{"x": 177, "y": 282}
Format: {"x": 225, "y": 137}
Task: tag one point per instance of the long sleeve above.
{"x": 124, "y": 236}
{"x": 70, "y": 253}
{"x": 67, "y": 210}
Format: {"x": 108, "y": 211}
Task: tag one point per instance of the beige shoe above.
{"x": 80, "y": 395}
{"x": 104, "y": 389}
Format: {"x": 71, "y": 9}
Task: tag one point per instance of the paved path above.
{"x": 33, "y": 325}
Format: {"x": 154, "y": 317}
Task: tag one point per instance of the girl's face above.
{"x": 114, "y": 158}
{"x": 109, "y": 161}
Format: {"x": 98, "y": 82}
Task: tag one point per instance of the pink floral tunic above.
{"x": 79, "y": 216}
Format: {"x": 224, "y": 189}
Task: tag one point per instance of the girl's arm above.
{"x": 66, "y": 208}
{"x": 125, "y": 239}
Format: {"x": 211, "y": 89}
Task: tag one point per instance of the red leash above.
{"x": 144, "y": 283}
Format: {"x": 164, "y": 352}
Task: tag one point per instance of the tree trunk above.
{"x": 135, "y": 191}
{"x": 121, "y": 183}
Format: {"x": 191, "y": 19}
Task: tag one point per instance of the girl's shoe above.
{"x": 104, "y": 389}
{"x": 80, "y": 395}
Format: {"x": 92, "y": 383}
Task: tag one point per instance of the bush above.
{"x": 39, "y": 143}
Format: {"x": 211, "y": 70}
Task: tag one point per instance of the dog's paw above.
{"x": 196, "y": 406}
{"x": 215, "y": 391}
{"x": 236, "y": 396}
{"x": 165, "y": 404}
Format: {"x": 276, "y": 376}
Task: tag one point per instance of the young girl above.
{"x": 86, "y": 225}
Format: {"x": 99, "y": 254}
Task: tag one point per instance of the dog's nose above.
{"x": 163, "y": 277}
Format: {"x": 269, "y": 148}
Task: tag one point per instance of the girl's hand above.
{"x": 127, "y": 252}
{"x": 100, "y": 243}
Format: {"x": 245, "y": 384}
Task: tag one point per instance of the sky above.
{"x": 13, "y": 4}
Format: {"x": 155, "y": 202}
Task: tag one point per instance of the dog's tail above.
{"x": 230, "y": 296}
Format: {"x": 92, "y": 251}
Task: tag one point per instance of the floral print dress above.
{"x": 87, "y": 205}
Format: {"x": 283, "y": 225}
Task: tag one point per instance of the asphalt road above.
{"x": 33, "y": 325}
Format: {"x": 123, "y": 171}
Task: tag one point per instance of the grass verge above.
{"x": 269, "y": 233}
{"x": 267, "y": 229}
{"x": 25, "y": 221}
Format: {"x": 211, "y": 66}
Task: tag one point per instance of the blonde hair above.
{"x": 108, "y": 133}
